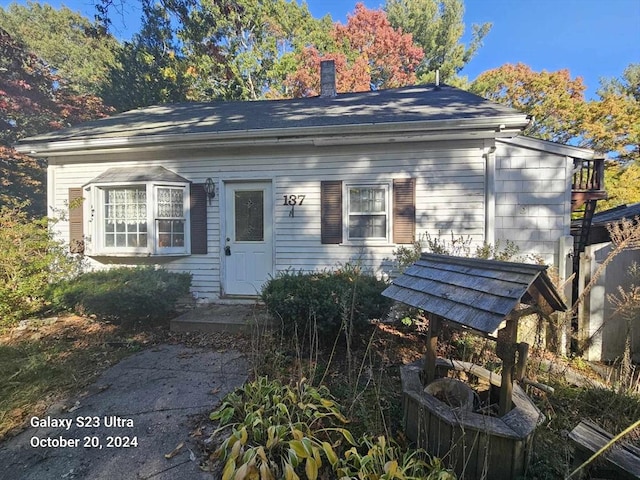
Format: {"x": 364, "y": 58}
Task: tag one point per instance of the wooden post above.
{"x": 431, "y": 355}
{"x": 506, "y": 351}
{"x": 523, "y": 357}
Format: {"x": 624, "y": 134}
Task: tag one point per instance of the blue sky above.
{"x": 592, "y": 38}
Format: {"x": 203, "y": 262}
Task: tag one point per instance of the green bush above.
{"x": 326, "y": 297}
{"x": 30, "y": 259}
{"x": 123, "y": 294}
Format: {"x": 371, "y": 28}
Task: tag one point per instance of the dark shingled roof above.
{"x": 408, "y": 104}
{"x": 616, "y": 214}
{"x": 475, "y": 293}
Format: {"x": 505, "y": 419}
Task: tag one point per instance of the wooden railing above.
{"x": 588, "y": 175}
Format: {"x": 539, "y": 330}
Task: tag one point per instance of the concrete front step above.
{"x": 230, "y": 318}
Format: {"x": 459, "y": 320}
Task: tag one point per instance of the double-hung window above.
{"x": 368, "y": 212}
{"x": 170, "y": 218}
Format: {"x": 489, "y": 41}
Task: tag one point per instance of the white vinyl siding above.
{"x": 533, "y": 200}
{"x": 449, "y": 190}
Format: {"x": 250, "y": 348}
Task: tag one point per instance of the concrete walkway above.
{"x": 155, "y": 397}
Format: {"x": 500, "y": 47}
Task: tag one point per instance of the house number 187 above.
{"x": 291, "y": 200}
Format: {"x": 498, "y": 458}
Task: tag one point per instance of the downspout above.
{"x": 490, "y": 195}
{"x": 51, "y": 189}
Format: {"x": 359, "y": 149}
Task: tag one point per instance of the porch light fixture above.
{"x": 210, "y": 189}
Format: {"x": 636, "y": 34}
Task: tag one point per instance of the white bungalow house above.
{"x": 235, "y": 192}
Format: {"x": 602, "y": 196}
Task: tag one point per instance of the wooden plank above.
{"x": 624, "y": 458}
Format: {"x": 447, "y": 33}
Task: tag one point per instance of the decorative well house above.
{"x": 486, "y": 432}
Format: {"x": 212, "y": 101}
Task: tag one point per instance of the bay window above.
{"x": 147, "y": 219}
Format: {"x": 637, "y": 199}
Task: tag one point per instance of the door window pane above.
{"x": 249, "y": 216}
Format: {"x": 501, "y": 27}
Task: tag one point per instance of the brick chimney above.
{"x": 327, "y": 78}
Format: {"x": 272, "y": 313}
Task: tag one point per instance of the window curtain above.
{"x": 126, "y": 205}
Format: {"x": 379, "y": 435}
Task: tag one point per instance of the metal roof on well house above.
{"x": 475, "y": 293}
{"x": 409, "y": 109}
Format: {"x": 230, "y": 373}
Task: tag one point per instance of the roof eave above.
{"x": 553, "y": 147}
{"x": 492, "y": 127}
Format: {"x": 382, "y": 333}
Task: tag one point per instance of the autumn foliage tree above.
{"x": 609, "y": 123}
{"x": 368, "y": 52}
{"x": 554, "y": 99}
{"x": 613, "y": 120}
{"x": 32, "y": 100}
{"x": 244, "y": 49}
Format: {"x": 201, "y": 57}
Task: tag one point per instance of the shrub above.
{"x": 326, "y": 297}
{"x": 123, "y": 294}
{"x": 30, "y": 259}
{"x": 457, "y": 247}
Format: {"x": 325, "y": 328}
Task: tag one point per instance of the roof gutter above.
{"x": 554, "y": 147}
{"x": 503, "y": 126}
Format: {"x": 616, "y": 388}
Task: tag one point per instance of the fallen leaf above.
{"x": 197, "y": 432}
{"x": 192, "y": 456}
{"x": 215, "y": 390}
{"x": 175, "y": 451}
{"x": 75, "y": 407}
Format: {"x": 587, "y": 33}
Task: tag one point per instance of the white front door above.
{"x": 248, "y": 247}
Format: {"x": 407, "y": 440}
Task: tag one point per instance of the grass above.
{"x": 45, "y": 361}
{"x": 49, "y": 361}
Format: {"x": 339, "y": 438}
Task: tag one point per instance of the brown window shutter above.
{"x": 331, "y": 211}
{"x": 404, "y": 210}
{"x": 198, "y": 219}
{"x": 76, "y": 229}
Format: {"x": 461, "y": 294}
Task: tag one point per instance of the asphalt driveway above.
{"x": 132, "y": 417}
